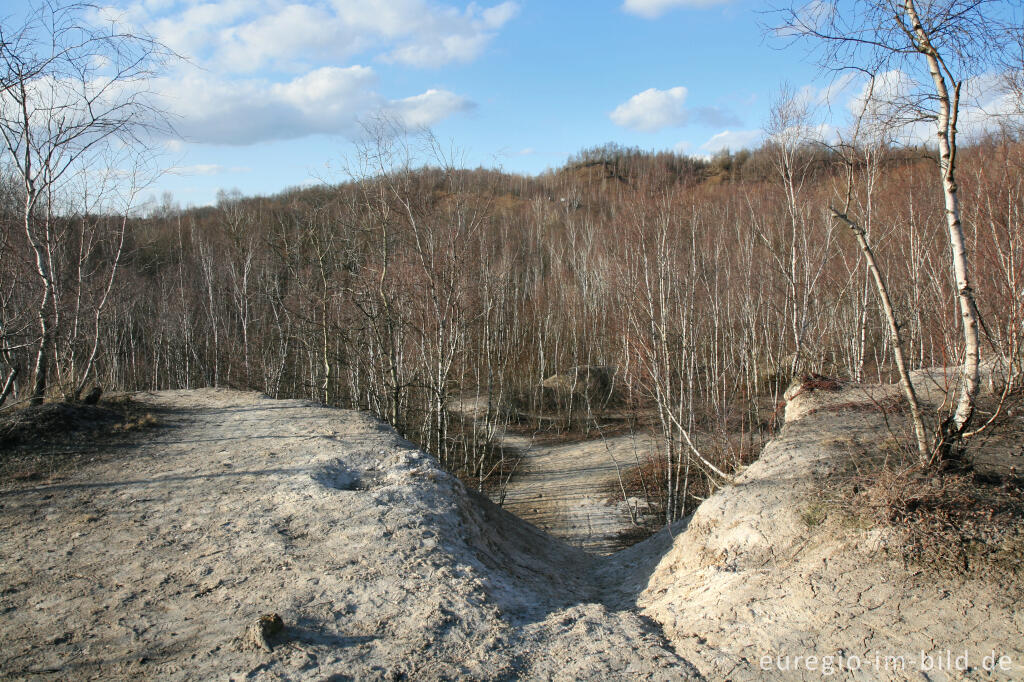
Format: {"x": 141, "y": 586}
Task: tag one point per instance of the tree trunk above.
{"x": 8, "y": 385}
{"x": 949, "y": 103}
{"x": 894, "y": 334}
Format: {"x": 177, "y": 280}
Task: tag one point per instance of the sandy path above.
{"x": 564, "y": 489}
{"x": 152, "y": 563}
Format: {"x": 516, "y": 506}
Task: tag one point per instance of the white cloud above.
{"x": 281, "y": 69}
{"x": 653, "y": 110}
{"x": 810, "y": 17}
{"x": 499, "y": 15}
{"x": 328, "y": 92}
{"x": 988, "y": 102}
{"x": 245, "y": 36}
{"x": 732, "y": 140}
{"x": 423, "y": 111}
{"x": 286, "y": 38}
{"x": 439, "y": 50}
{"x": 446, "y": 35}
{"x": 882, "y": 95}
{"x": 898, "y": 104}
{"x": 835, "y": 91}
{"x": 192, "y": 30}
{"x": 207, "y": 169}
{"x": 329, "y": 100}
{"x": 652, "y": 9}
{"x": 896, "y": 108}
{"x": 887, "y": 105}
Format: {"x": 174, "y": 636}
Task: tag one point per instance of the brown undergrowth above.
{"x": 893, "y": 404}
{"x": 646, "y": 482}
{"x": 39, "y": 441}
{"x": 967, "y": 523}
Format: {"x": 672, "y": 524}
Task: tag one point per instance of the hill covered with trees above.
{"x": 708, "y": 284}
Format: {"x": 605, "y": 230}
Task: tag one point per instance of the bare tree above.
{"x": 70, "y": 89}
{"x": 1012, "y": 63}
{"x": 861, "y": 232}
{"x": 931, "y": 49}
{"x": 790, "y": 134}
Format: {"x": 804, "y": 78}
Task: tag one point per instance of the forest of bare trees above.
{"x": 706, "y": 285}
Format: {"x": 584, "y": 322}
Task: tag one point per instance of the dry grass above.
{"x": 894, "y": 404}
{"x": 954, "y": 523}
{"x": 143, "y": 421}
{"x": 819, "y": 382}
{"x": 33, "y": 424}
{"x": 816, "y": 382}
{"x": 967, "y": 522}
{"x": 962, "y": 523}
{"x": 37, "y": 442}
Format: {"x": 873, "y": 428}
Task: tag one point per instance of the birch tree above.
{"x": 930, "y": 50}
{"x": 70, "y": 90}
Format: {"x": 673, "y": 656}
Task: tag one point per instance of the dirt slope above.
{"x": 153, "y": 564}
{"x": 564, "y": 488}
{"x": 749, "y": 578}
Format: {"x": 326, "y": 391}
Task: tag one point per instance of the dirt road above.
{"x": 571, "y": 490}
{"x": 568, "y": 489}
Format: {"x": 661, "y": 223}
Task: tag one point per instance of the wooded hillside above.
{"x": 705, "y": 286}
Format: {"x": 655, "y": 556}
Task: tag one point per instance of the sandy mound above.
{"x": 159, "y": 563}
{"x": 750, "y": 590}
{"x": 170, "y": 558}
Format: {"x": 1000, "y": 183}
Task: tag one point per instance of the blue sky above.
{"x": 520, "y": 85}
{"x": 275, "y": 89}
